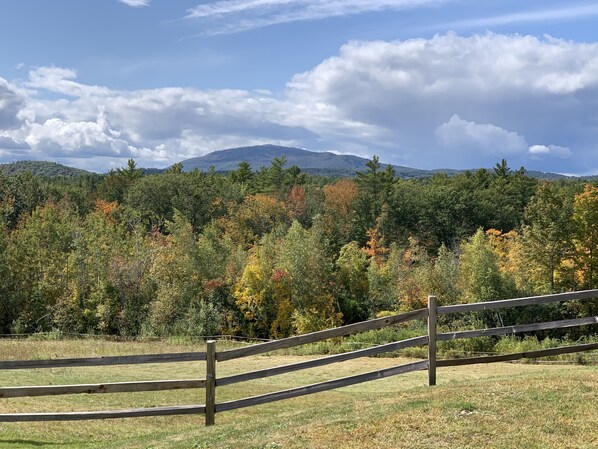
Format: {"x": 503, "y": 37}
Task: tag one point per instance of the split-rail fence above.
{"x": 211, "y": 356}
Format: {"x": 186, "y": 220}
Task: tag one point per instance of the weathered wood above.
{"x": 521, "y": 355}
{"x": 120, "y": 387}
{"x": 313, "y": 337}
{"x": 104, "y": 361}
{"x": 210, "y": 383}
{"x": 323, "y": 386}
{"x": 531, "y": 300}
{"x": 111, "y": 414}
{"x": 395, "y": 346}
{"x": 432, "y": 340}
{"x": 519, "y": 328}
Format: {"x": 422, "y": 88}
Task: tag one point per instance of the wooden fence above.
{"x": 211, "y": 356}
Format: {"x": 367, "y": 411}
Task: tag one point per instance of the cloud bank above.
{"x": 448, "y": 101}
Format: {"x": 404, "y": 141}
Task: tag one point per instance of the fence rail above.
{"x": 520, "y": 355}
{"x": 314, "y": 337}
{"x": 104, "y": 361}
{"x": 211, "y": 356}
{"x": 109, "y": 414}
{"x": 119, "y": 387}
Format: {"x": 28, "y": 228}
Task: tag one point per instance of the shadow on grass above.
{"x": 28, "y": 442}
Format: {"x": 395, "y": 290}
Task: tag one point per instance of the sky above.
{"x": 420, "y": 83}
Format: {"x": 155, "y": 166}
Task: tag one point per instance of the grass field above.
{"x": 483, "y": 406}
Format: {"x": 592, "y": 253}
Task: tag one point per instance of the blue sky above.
{"x": 422, "y": 83}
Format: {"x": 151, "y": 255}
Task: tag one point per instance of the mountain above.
{"x": 326, "y": 164}
{"x": 42, "y": 168}
{"x": 318, "y": 163}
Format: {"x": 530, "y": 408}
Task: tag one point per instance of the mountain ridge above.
{"x": 312, "y": 162}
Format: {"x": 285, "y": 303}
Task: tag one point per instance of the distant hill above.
{"x": 312, "y": 162}
{"x": 320, "y": 163}
{"x": 317, "y": 163}
{"x": 42, "y": 168}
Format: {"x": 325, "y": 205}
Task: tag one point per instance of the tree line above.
{"x": 274, "y": 252}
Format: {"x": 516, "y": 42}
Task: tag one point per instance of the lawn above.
{"x": 483, "y": 406}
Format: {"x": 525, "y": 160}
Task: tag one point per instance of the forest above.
{"x": 275, "y": 252}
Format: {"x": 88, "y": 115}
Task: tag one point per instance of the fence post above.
{"x": 431, "y": 340}
{"x": 210, "y": 382}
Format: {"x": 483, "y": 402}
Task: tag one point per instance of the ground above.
{"x": 481, "y": 406}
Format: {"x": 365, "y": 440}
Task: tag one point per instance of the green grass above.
{"x": 481, "y": 406}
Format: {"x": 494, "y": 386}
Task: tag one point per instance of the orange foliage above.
{"x": 256, "y": 216}
{"x": 296, "y": 202}
{"x": 374, "y": 247}
{"x": 107, "y": 208}
{"x": 340, "y": 196}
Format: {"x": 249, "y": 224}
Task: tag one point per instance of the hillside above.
{"x": 317, "y": 163}
{"x": 321, "y": 163}
{"x": 41, "y": 168}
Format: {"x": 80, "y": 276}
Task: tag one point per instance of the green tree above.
{"x": 243, "y": 174}
{"x": 353, "y": 286}
{"x": 585, "y": 236}
{"x": 38, "y": 255}
{"x": 481, "y": 279}
{"x": 277, "y": 176}
{"x": 547, "y": 234}
{"x": 5, "y": 305}
{"x": 118, "y": 182}
{"x": 374, "y": 185}
{"x": 180, "y": 306}
{"x": 303, "y": 257}
{"x": 444, "y": 277}
{"x": 502, "y": 170}
{"x": 176, "y": 169}
{"x": 255, "y": 293}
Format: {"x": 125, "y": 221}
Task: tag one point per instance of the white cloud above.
{"x": 61, "y": 80}
{"x": 447, "y": 101}
{"x": 135, "y": 3}
{"x": 542, "y": 151}
{"x": 489, "y": 139}
{"x": 537, "y": 90}
{"x": 232, "y": 16}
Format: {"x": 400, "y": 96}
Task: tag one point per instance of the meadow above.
{"x": 485, "y": 406}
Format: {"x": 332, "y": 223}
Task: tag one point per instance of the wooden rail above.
{"x": 322, "y": 386}
{"x": 212, "y": 356}
{"x": 104, "y": 361}
{"x": 314, "y": 337}
{"x": 110, "y": 414}
{"x": 120, "y": 387}
{"x": 518, "y": 329}
{"x": 417, "y": 341}
{"x": 520, "y": 355}
{"x": 530, "y": 300}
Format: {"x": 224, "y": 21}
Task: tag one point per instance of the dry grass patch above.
{"x": 483, "y": 406}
